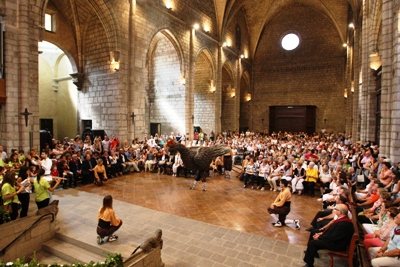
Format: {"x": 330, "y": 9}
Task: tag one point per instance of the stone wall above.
{"x": 312, "y": 74}
{"x": 204, "y": 98}
{"x": 31, "y": 241}
{"x": 166, "y": 92}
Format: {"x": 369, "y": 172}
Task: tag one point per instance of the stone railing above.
{"x": 39, "y": 229}
{"x": 148, "y": 254}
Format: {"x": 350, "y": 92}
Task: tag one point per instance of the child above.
{"x": 54, "y": 171}
{"x": 32, "y": 173}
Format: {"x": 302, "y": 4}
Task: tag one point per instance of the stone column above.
{"x": 189, "y": 95}
{"x": 390, "y": 106}
{"x": 218, "y": 92}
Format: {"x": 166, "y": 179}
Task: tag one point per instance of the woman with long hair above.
{"x": 42, "y": 188}
{"x": 10, "y": 193}
{"x": 108, "y": 224}
{"x": 24, "y": 196}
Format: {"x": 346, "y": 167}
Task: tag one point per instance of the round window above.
{"x": 290, "y": 41}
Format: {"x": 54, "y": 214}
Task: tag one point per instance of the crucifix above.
{"x": 133, "y": 122}
{"x": 26, "y": 113}
{"x": 133, "y": 117}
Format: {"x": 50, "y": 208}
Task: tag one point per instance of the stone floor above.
{"x": 227, "y": 225}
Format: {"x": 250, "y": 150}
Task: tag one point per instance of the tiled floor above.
{"x": 225, "y": 203}
{"x": 230, "y": 226}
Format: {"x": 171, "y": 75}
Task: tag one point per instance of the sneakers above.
{"x": 115, "y": 236}
{"x": 100, "y": 240}
{"x": 191, "y": 188}
{"x": 112, "y": 238}
{"x": 204, "y": 189}
{"x": 277, "y": 224}
{"x": 244, "y": 186}
{"x": 319, "y": 199}
{"x": 262, "y": 188}
{"x": 297, "y": 224}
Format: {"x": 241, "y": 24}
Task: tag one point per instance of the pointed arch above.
{"x": 167, "y": 33}
{"x": 206, "y": 53}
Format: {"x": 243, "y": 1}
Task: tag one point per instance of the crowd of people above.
{"x": 286, "y": 162}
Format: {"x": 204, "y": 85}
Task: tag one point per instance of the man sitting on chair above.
{"x": 336, "y": 237}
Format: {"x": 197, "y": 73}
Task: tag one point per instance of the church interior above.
{"x": 133, "y": 68}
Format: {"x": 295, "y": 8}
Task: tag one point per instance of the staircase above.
{"x": 66, "y": 250}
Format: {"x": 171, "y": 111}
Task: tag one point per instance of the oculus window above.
{"x": 290, "y": 41}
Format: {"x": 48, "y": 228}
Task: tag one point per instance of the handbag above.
{"x": 360, "y": 178}
{"x": 161, "y": 162}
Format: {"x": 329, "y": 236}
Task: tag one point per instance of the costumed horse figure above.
{"x": 196, "y": 158}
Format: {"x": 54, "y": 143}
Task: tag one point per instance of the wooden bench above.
{"x": 349, "y": 253}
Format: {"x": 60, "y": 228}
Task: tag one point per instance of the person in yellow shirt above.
{"x": 281, "y": 206}
{"x": 42, "y": 189}
{"x": 9, "y": 193}
{"x": 311, "y": 179}
{"x": 108, "y": 224}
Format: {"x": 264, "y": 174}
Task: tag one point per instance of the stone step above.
{"x": 72, "y": 253}
{"x": 47, "y": 258}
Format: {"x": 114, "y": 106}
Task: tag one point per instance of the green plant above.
{"x": 4, "y": 216}
{"x": 112, "y": 260}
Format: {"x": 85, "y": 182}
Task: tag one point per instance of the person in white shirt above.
{"x": 3, "y": 154}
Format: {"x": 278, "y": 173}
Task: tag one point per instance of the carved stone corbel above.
{"x": 77, "y": 79}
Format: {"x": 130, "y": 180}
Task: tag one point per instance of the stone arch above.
{"x": 165, "y": 91}
{"x": 171, "y": 37}
{"x": 376, "y": 25}
{"x": 109, "y": 22}
{"x": 105, "y": 15}
{"x": 56, "y": 92}
{"x": 204, "y": 92}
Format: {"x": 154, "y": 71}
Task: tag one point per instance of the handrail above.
{"x": 3, "y": 251}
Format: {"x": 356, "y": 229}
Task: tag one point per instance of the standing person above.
{"x": 10, "y": 193}
{"x": 336, "y": 237}
{"x": 42, "y": 188}
{"x": 24, "y": 196}
{"x": 228, "y": 162}
{"x": 281, "y": 206}
{"x": 108, "y": 224}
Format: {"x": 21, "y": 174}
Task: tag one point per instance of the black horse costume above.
{"x": 196, "y": 158}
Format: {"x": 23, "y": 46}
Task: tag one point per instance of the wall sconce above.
{"x": 344, "y": 45}
{"x": 224, "y": 44}
{"x": 206, "y": 28}
{"x": 183, "y": 81}
{"x": 168, "y": 5}
{"x": 345, "y": 93}
{"x": 375, "y": 60}
{"x": 241, "y": 56}
{"x": 114, "y": 60}
{"x": 212, "y": 86}
{"x": 352, "y": 87}
{"x": 116, "y": 66}
{"x": 325, "y": 120}
{"x": 248, "y": 97}
{"x": 196, "y": 26}
{"x": 233, "y": 93}
{"x": 351, "y": 25}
